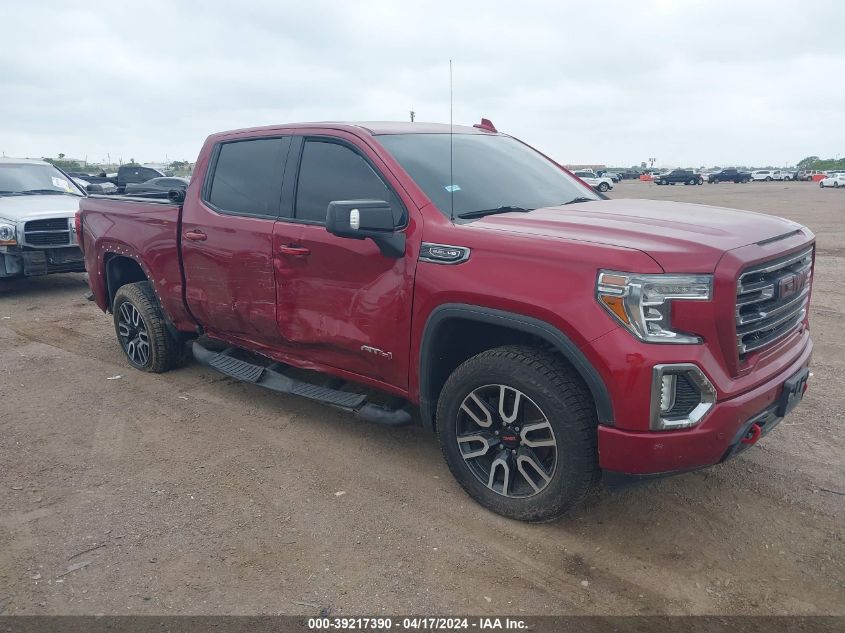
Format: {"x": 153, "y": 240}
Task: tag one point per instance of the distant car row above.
{"x": 130, "y": 179}
{"x": 158, "y": 187}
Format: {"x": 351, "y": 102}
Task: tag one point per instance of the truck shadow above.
{"x": 57, "y": 284}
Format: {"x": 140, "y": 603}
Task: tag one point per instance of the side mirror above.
{"x": 362, "y": 219}
{"x": 93, "y": 188}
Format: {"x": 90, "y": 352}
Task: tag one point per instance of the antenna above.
{"x": 451, "y": 179}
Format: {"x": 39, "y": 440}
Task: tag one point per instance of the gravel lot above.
{"x": 123, "y": 492}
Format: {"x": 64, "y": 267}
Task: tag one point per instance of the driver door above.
{"x": 341, "y": 302}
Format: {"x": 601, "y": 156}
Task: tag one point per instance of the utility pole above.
{"x": 413, "y": 115}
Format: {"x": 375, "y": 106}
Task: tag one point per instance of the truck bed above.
{"x": 144, "y": 230}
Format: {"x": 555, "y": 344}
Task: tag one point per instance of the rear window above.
{"x": 247, "y": 176}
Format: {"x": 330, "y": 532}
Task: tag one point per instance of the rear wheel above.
{"x": 836, "y": 185}
{"x": 821, "y": 184}
{"x": 603, "y": 186}
{"x": 518, "y": 431}
{"x": 142, "y": 330}
{"x": 768, "y": 179}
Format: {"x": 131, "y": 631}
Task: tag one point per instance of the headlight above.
{"x": 7, "y": 234}
{"x": 643, "y": 303}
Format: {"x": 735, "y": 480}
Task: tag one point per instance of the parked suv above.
{"x": 37, "y": 206}
{"x": 600, "y": 183}
{"x": 549, "y": 337}
{"x": 808, "y": 174}
{"x": 684, "y": 176}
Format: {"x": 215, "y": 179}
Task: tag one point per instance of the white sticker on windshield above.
{"x": 452, "y": 188}
{"x": 61, "y": 183}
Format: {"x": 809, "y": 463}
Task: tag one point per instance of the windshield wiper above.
{"x": 480, "y": 213}
{"x": 38, "y": 192}
{"x": 10, "y": 193}
{"x": 576, "y": 200}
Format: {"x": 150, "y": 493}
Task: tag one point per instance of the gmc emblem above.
{"x": 792, "y": 285}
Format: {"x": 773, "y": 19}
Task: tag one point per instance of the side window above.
{"x": 148, "y": 174}
{"x": 247, "y": 176}
{"x": 330, "y": 171}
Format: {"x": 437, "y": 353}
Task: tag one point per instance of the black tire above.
{"x": 700, "y": 181}
{"x": 603, "y": 187}
{"x": 164, "y": 350}
{"x": 662, "y": 182}
{"x": 746, "y": 181}
{"x": 836, "y": 185}
{"x": 561, "y": 397}
{"x": 691, "y": 181}
{"x": 821, "y": 184}
{"x": 768, "y": 179}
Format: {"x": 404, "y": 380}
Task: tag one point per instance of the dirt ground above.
{"x": 123, "y": 492}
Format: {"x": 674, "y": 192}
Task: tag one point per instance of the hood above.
{"x": 22, "y": 208}
{"x": 681, "y": 237}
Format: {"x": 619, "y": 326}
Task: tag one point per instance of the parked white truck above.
{"x": 37, "y": 206}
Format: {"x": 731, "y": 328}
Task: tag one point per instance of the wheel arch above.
{"x": 121, "y": 270}
{"x": 479, "y": 328}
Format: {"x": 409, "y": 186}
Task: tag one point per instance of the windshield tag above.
{"x": 452, "y": 188}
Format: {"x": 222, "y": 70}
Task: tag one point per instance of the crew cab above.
{"x": 37, "y": 206}
{"x": 684, "y": 176}
{"x": 548, "y": 336}
{"x": 729, "y": 175}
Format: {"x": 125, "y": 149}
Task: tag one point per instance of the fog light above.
{"x": 667, "y": 393}
{"x": 681, "y": 395}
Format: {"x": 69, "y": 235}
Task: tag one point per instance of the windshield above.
{"x": 34, "y": 179}
{"x": 489, "y": 172}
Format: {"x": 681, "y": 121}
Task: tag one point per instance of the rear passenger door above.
{"x": 227, "y": 240}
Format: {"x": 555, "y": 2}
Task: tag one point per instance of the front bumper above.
{"x": 634, "y": 454}
{"x": 29, "y": 262}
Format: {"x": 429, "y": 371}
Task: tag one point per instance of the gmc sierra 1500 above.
{"x": 549, "y": 336}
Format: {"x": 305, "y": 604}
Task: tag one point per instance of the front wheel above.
{"x": 821, "y": 185}
{"x": 768, "y": 179}
{"x": 836, "y": 185}
{"x": 142, "y": 330}
{"x": 603, "y": 187}
{"x": 518, "y": 430}
{"x": 662, "y": 182}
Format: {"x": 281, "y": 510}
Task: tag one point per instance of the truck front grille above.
{"x": 772, "y": 300}
{"x": 52, "y": 232}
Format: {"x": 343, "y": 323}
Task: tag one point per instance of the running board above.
{"x": 271, "y": 378}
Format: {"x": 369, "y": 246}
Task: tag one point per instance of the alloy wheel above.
{"x": 133, "y": 334}
{"x": 506, "y": 441}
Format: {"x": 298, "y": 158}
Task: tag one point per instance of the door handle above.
{"x": 294, "y": 251}
{"x": 195, "y": 236}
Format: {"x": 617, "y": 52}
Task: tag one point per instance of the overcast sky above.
{"x": 690, "y": 83}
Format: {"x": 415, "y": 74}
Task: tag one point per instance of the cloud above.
{"x": 691, "y": 83}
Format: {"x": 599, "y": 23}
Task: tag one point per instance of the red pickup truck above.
{"x": 548, "y": 335}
